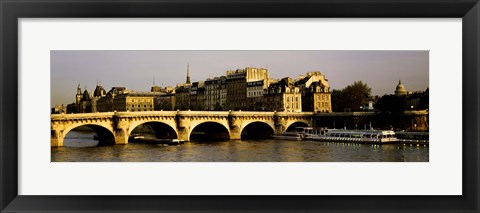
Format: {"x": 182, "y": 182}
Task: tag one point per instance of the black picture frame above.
{"x": 12, "y": 10}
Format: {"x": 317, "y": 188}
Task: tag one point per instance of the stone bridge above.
{"x": 116, "y": 127}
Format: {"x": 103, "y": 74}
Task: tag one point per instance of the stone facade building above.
{"x": 59, "y": 109}
{"x": 134, "y": 102}
{"x": 117, "y": 99}
{"x": 84, "y": 102}
{"x": 283, "y": 96}
{"x": 197, "y": 95}
{"x": 242, "y": 89}
{"x": 216, "y": 93}
{"x": 242, "y": 84}
{"x": 121, "y": 99}
{"x": 236, "y": 90}
{"x": 255, "y": 92}
{"x": 182, "y": 96}
{"x": 106, "y": 104}
{"x": 316, "y": 95}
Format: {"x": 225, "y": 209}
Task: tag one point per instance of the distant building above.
{"x": 182, "y": 96}
{"x": 121, "y": 99}
{"x": 255, "y": 91}
{"x": 236, "y": 90}
{"x": 165, "y": 102}
{"x": 215, "y": 93}
{"x": 134, "y": 101}
{"x": 59, "y": 109}
{"x": 316, "y": 95}
{"x": 413, "y": 100}
{"x": 242, "y": 84}
{"x": 283, "y": 96}
{"x": 243, "y": 89}
{"x": 117, "y": 99}
{"x": 107, "y": 104}
{"x": 369, "y": 105}
{"x": 197, "y": 95}
{"x": 400, "y": 89}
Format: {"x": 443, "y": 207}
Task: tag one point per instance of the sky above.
{"x": 138, "y": 70}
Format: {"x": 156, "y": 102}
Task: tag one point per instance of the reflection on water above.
{"x": 81, "y": 147}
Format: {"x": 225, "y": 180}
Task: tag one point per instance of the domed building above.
{"x": 99, "y": 91}
{"x": 400, "y": 90}
{"x": 84, "y": 102}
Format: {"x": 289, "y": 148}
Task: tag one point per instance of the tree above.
{"x": 351, "y": 98}
{"x": 391, "y": 104}
{"x": 338, "y": 102}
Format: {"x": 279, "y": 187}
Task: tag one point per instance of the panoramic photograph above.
{"x": 239, "y": 105}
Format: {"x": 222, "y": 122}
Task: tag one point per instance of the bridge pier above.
{"x": 183, "y": 134}
{"x": 235, "y": 133}
{"x": 121, "y": 137}
{"x": 57, "y": 138}
{"x": 121, "y": 131}
{"x": 56, "y": 142}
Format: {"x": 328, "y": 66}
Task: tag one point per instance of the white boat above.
{"x": 357, "y": 136}
{"x": 308, "y": 133}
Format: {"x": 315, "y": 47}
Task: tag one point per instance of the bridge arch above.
{"x": 161, "y": 129}
{"x": 292, "y": 125}
{"x": 257, "y": 130}
{"x": 211, "y": 130}
{"x": 104, "y": 132}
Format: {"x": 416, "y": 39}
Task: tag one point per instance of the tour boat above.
{"x": 357, "y": 136}
{"x": 288, "y": 136}
{"x": 309, "y": 133}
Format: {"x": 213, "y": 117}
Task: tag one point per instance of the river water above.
{"x": 80, "y": 147}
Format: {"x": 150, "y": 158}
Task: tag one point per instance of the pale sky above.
{"x": 136, "y": 70}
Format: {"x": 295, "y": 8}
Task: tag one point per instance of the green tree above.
{"x": 351, "y": 98}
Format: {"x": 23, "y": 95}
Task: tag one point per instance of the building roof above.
{"x": 400, "y": 90}
{"x": 99, "y": 91}
{"x": 86, "y": 96}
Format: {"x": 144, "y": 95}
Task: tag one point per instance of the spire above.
{"x": 188, "y": 73}
{"x": 79, "y": 90}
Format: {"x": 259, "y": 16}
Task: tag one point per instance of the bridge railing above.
{"x": 208, "y": 113}
{"x": 146, "y": 113}
{"x": 81, "y": 115}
